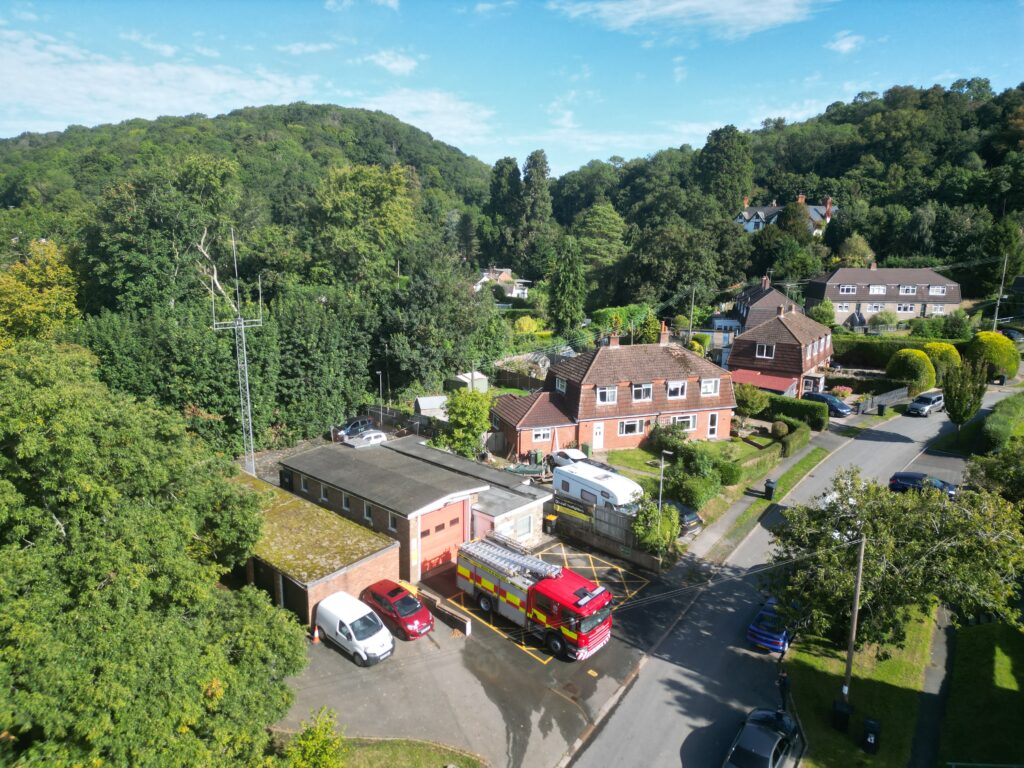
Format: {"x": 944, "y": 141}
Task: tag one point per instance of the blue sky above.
{"x": 582, "y": 79}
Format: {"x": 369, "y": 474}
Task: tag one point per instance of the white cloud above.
{"x": 678, "y": 70}
{"x": 336, "y": 5}
{"x": 394, "y": 62}
{"x": 211, "y": 53}
{"x": 50, "y": 84}
{"x": 561, "y": 116}
{"x": 484, "y": 8}
{"x": 845, "y": 42}
{"x": 147, "y": 42}
{"x": 392, "y": 4}
{"x": 24, "y": 15}
{"x": 727, "y": 18}
{"x": 442, "y": 114}
{"x": 302, "y": 49}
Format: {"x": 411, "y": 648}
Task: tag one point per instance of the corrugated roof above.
{"x": 790, "y": 327}
{"x": 638, "y": 362}
{"x": 389, "y": 479}
{"x": 305, "y": 541}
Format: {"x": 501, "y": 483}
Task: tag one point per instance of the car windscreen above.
{"x": 742, "y": 757}
{"x": 594, "y": 620}
{"x": 366, "y": 626}
{"x": 407, "y": 606}
{"x": 768, "y": 621}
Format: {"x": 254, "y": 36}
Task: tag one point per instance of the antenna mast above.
{"x": 239, "y": 324}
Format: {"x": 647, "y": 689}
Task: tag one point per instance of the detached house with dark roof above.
{"x": 753, "y": 306}
{"x": 612, "y": 396}
{"x": 786, "y": 354}
{"x": 756, "y": 217}
{"x": 859, "y": 293}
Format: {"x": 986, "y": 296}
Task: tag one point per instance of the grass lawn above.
{"x": 884, "y": 690}
{"x": 371, "y": 753}
{"x": 648, "y": 483}
{"x": 965, "y": 443}
{"x": 735, "y": 449}
{"x": 634, "y": 458}
{"x": 985, "y": 708}
{"x": 495, "y": 391}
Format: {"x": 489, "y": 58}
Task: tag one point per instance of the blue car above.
{"x": 836, "y": 407}
{"x": 766, "y": 630}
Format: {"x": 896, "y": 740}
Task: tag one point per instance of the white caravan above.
{"x": 599, "y": 487}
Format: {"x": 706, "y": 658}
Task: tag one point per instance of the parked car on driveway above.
{"x": 767, "y": 739}
{"x": 566, "y": 457}
{"x": 836, "y": 407}
{"x": 766, "y": 630}
{"x": 373, "y": 437}
{"x": 925, "y": 404}
{"x": 353, "y": 627}
{"x": 902, "y": 482}
{"x": 351, "y": 428}
{"x": 1013, "y": 335}
{"x": 402, "y": 613}
{"x": 689, "y": 520}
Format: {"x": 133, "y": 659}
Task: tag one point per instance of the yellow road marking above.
{"x": 592, "y": 672}
{"x": 459, "y": 600}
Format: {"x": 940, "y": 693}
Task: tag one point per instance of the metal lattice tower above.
{"x": 239, "y": 324}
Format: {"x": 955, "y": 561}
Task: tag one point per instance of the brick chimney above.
{"x": 765, "y": 281}
{"x": 874, "y": 266}
{"x": 791, "y": 308}
{"x": 613, "y": 340}
{"x": 828, "y": 209}
{"x": 780, "y": 310}
{"x": 664, "y": 334}
{"x": 801, "y": 198}
{"x": 746, "y": 201}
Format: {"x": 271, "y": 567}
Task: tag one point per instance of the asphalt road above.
{"x": 690, "y": 697}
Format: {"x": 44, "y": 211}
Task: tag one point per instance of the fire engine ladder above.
{"x": 511, "y": 562}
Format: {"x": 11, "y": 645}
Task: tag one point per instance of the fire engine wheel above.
{"x": 556, "y": 645}
{"x": 484, "y": 601}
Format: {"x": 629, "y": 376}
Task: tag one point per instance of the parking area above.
{"x": 495, "y": 693}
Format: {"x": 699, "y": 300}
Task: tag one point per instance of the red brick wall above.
{"x": 525, "y": 444}
{"x": 355, "y": 579}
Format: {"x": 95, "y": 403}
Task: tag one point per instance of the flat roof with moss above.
{"x": 307, "y": 542}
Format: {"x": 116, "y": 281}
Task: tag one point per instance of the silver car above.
{"x": 923, "y": 405}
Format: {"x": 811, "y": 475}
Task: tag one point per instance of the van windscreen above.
{"x": 366, "y": 626}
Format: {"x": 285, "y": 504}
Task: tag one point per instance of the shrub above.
{"x": 526, "y": 324}
{"x": 842, "y": 392}
{"x": 750, "y": 401}
{"x": 780, "y": 429}
{"x": 927, "y": 327}
{"x": 680, "y": 323}
{"x": 703, "y": 339}
{"x": 1001, "y": 423}
{"x": 667, "y": 437}
{"x": 814, "y": 415}
{"x": 696, "y": 459}
{"x": 823, "y": 312}
{"x": 586, "y": 449}
{"x": 943, "y": 356}
{"x": 956, "y": 325}
{"x": 795, "y": 440}
{"x": 883, "y": 318}
{"x": 997, "y": 351}
{"x": 875, "y": 351}
{"x": 695, "y": 492}
{"x": 694, "y": 346}
{"x": 913, "y": 367}
{"x": 730, "y": 472}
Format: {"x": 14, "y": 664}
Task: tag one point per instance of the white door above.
{"x": 344, "y": 638}
{"x": 598, "y": 442}
{"x": 713, "y": 425}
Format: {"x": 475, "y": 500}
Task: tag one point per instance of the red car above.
{"x": 402, "y": 613}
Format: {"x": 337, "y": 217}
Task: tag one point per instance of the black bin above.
{"x": 841, "y": 712}
{"x": 872, "y": 736}
{"x": 550, "y": 523}
{"x": 881, "y": 409}
{"x": 1000, "y": 379}
{"x": 769, "y": 489}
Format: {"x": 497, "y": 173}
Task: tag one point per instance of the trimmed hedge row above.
{"x": 1000, "y": 424}
{"x": 814, "y": 415}
{"x": 875, "y": 351}
{"x": 695, "y": 492}
{"x": 864, "y": 386}
{"x": 799, "y": 435}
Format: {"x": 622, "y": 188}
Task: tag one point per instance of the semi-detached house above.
{"x": 790, "y": 348}
{"x": 612, "y": 396}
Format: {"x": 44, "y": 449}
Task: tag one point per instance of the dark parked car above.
{"x": 351, "y": 428}
{"x": 766, "y": 630}
{"x": 902, "y": 482}
{"x": 1013, "y": 335}
{"x": 402, "y": 613}
{"x": 925, "y": 404}
{"x": 836, "y": 407}
{"x": 689, "y": 520}
{"x": 767, "y": 739}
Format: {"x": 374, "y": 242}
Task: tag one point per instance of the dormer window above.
{"x": 643, "y": 393}
{"x": 676, "y": 390}
{"x": 847, "y": 289}
{"x": 765, "y": 351}
{"x": 607, "y": 395}
{"x": 877, "y": 290}
{"x": 709, "y": 386}
{"x": 560, "y": 384}
{"x": 908, "y": 290}
{"x": 937, "y": 290}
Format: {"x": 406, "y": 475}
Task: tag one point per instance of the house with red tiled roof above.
{"x": 610, "y": 397}
{"x": 789, "y": 347}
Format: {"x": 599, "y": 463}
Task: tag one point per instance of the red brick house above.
{"x": 789, "y": 346}
{"x": 612, "y": 396}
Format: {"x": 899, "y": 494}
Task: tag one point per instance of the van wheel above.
{"x": 484, "y": 601}
{"x": 359, "y": 660}
{"x": 556, "y": 645}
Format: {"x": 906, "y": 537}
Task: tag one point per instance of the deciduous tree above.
{"x": 468, "y": 413}
{"x": 963, "y": 390}
{"x": 37, "y": 296}
{"x": 750, "y": 401}
{"x": 568, "y": 287}
{"x": 823, "y": 312}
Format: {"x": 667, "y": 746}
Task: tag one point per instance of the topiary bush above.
{"x": 795, "y": 440}
{"x": 875, "y": 351}
{"x": 780, "y": 429}
{"x": 814, "y": 415}
{"x": 703, "y": 339}
{"x": 913, "y": 367}
{"x": 943, "y": 356}
{"x": 730, "y": 472}
{"x": 996, "y": 351}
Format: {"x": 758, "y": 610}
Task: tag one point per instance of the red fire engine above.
{"x": 570, "y": 614}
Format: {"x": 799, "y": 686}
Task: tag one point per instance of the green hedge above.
{"x": 730, "y": 472}
{"x": 814, "y": 415}
{"x": 796, "y": 439}
{"x": 864, "y": 386}
{"x": 1001, "y": 423}
{"x": 695, "y": 492}
{"x": 875, "y": 351}
{"x": 762, "y": 463}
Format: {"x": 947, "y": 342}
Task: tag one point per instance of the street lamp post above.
{"x": 380, "y": 396}
{"x": 661, "y": 483}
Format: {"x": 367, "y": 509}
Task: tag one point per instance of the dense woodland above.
{"x": 118, "y": 401}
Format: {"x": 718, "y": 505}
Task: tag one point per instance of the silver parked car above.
{"x": 924, "y": 404}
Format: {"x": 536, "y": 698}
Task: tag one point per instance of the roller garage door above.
{"x": 441, "y": 533}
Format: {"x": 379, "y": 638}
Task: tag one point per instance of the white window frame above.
{"x": 844, "y": 307}
{"x": 764, "y": 351}
{"x": 938, "y": 309}
{"x": 345, "y": 503}
{"x": 876, "y": 290}
{"x": 367, "y": 511}
{"x": 611, "y": 395}
{"x": 560, "y": 384}
{"x": 542, "y": 434}
{"x": 847, "y": 290}
{"x": 876, "y": 307}
{"x": 323, "y": 492}
{"x": 689, "y": 419}
{"x": 304, "y": 483}
{"x": 646, "y": 393}
{"x": 906, "y": 309}
{"x": 908, "y": 290}
{"x": 638, "y": 423}
{"x": 807, "y": 352}
{"x": 713, "y": 390}
{"x": 392, "y": 522}
{"x": 680, "y": 386}
{"x": 529, "y": 526}
{"x": 828, "y": 341}
{"x": 712, "y": 424}
{"x": 936, "y": 290}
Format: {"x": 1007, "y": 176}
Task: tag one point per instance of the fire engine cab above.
{"x": 569, "y": 613}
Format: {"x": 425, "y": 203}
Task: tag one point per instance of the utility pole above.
{"x": 661, "y": 483}
{"x": 693, "y": 294}
{"x": 1002, "y": 284}
{"x": 380, "y": 397}
{"x": 853, "y": 622}
{"x": 238, "y": 324}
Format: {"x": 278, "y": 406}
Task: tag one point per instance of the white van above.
{"x": 597, "y": 486}
{"x": 350, "y": 624}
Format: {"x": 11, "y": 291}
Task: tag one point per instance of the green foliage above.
{"x": 695, "y": 492}
{"x": 37, "y": 296}
{"x": 913, "y": 367}
{"x": 656, "y": 531}
{"x": 750, "y": 401}
{"x": 568, "y": 288}
{"x": 964, "y": 389}
{"x": 468, "y": 418}
{"x": 724, "y": 167}
{"x": 601, "y": 233}
{"x": 730, "y": 472}
{"x": 526, "y": 324}
{"x": 855, "y": 252}
{"x": 814, "y": 415}
{"x": 875, "y": 351}
{"x": 944, "y": 357}
{"x": 885, "y": 318}
{"x": 680, "y": 323}
{"x": 621, "y": 319}
{"x": 116, "y": 644}
{"x": 779, "y": 429}
{"x": 823, "y": 312}
{"x": 799, "y": 436}
{"x": 1006, "y": 420}
{"x": 703, "y": 339}
{"x": 1001, "y": 472}
{"x": 667, "y": 437}
{"x": 695, "y": 347}
{"x": 994, "y": 350}
{"x": 919, "y": 547}
{"x": 649, "y": 331}
{"x": 318, "y": 744}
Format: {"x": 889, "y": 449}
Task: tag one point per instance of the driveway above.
{"x": 699, "y": 683}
